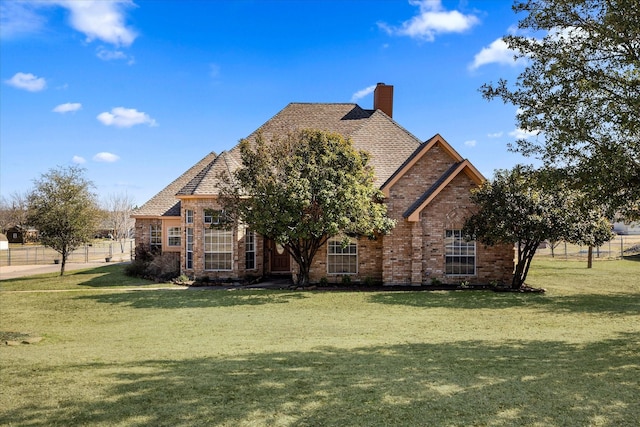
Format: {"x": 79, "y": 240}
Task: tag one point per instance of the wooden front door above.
{"x": 280, "y": 259}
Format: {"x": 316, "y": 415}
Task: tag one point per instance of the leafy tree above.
{"x": 304, "y": 188}
{"x": 119, "y": 208}
{"x": 581, "y": 91}
{"x": 516, "y": 207}
{"x": 64, "y": 210}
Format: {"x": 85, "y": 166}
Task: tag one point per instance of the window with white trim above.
{"x": 342, "y": 259}
{"x": 214, "y": 216}
{"x": 189, "y": 248}
{"x": 460, "y": 255}
{"x": 188, "y": 214}
{"x": 155, "y": 237}
{"x": 218, "y": 249}
{"x": 173, "y": 236}
{"x": 249, "y": 250}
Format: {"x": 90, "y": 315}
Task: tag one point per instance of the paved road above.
{"x": 14, "y": 271}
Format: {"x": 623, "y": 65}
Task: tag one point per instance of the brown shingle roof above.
{"x": 165, "y": 202}
{"x": 373, "y": 131}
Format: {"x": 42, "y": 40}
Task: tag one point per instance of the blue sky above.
{"x": 137, "y": 92}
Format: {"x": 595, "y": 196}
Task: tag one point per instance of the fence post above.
{"x": 9, "y": 257}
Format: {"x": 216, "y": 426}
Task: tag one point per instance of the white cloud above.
{"x": 111, "y": 55}
{"x": 362, "y": 93}
{"x": 497, "y": 52}
{"x": 27, "y": 81}
{"x": 102, "y": 20}
{"x": 520, "y": 133}
{"x": 471, "y": 143}
{"x": 125, "y": 118}
{"x": 18, "y": 18}
{"x": 432, "y": 19}
{"x": 68, "y": 107}
{"x": 78, "y": 160}
{"x": 495, "y": 134}
{"x": 105, "y": 157}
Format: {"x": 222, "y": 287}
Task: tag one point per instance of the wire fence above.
{"x": 97, "y": 251}
{"x": 619, "y": 247}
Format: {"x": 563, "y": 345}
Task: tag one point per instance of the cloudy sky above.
{"x": 137, "y": 92}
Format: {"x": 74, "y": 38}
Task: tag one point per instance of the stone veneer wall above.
{"x": 414, "y": 252}
{"x": 143, "y": 230}
{"x": 239, "y": 270}
{"x": 369, "y": 263}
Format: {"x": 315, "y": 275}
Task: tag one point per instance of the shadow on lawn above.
{"x": 192, "y": 298}
{"x": 583, "y": 303}
{"x": 464, "y": 383}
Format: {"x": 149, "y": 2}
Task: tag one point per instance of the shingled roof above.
{"x": 165, "y": 203}
{"x": 370, "y": 130}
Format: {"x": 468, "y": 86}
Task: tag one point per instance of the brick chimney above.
{"x": 383, "y": 99}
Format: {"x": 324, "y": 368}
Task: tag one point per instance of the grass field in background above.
{"x": 117, "y": 357}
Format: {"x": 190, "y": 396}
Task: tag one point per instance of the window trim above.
{"x": 206, "y": 231}
{"x": 188, "y": 215}
{"x": 337, "y": 243}
{"x": 460, "y": 249}
{"x": 171, "y": 234}
{"x": 155, "y": 236}
{"x": 189, "y": 237}
{"x": 250, "y": 253}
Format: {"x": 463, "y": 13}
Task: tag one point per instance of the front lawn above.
{"x": 120, "y": 357}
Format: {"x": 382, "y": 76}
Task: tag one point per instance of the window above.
{"x": 460, "y": 255}
{"x": 249, "y": 250}
{"x": 218, "y": 249}
{"x": 155, "y": 240}
{"x": 173, "y": 236}
{"x": 342, "y": 259}
{"x": 189, "y": 251}
{"x": 213, "y": 216}
{"x": 188, "y": 216}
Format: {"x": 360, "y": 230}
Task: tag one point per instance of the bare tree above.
{"x": 13, "y": 213}
{"x": 118, "y": 208}
{"x": 5, "y": 214}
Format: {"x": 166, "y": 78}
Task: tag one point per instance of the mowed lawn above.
{"x": 113, "y": 356}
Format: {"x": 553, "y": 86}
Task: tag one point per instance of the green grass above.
{"x": 110, "y": 356}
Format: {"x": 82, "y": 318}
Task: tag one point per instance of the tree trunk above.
{"x": 62, "y": 263}
{"x": 590, "y": 257}
{"x": 303, "y": 275}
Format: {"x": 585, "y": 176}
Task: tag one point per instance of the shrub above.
{"x": 154, "y": 266}
{"x": 346, "y": 280}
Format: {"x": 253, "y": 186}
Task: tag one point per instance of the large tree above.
{"x": 581, "y": 91}
{"x": 518, "y": 207}
{"x": 64, "y": 210}
{"x": 303, "y": 188}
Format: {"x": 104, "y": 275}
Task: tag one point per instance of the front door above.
{"x": 280, "y": 259}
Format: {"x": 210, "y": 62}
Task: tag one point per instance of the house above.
{"x": 426, "y": 187}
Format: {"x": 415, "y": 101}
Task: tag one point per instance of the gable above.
{"x": 465, "y": 167}
{"x": 420, "y": 152}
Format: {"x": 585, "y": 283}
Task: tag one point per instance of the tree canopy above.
{"x": 581, "y": 91}
{"x": 63, "y": 210}
{"x": 303, "y": 188}
{"x": 518, "y": 206}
